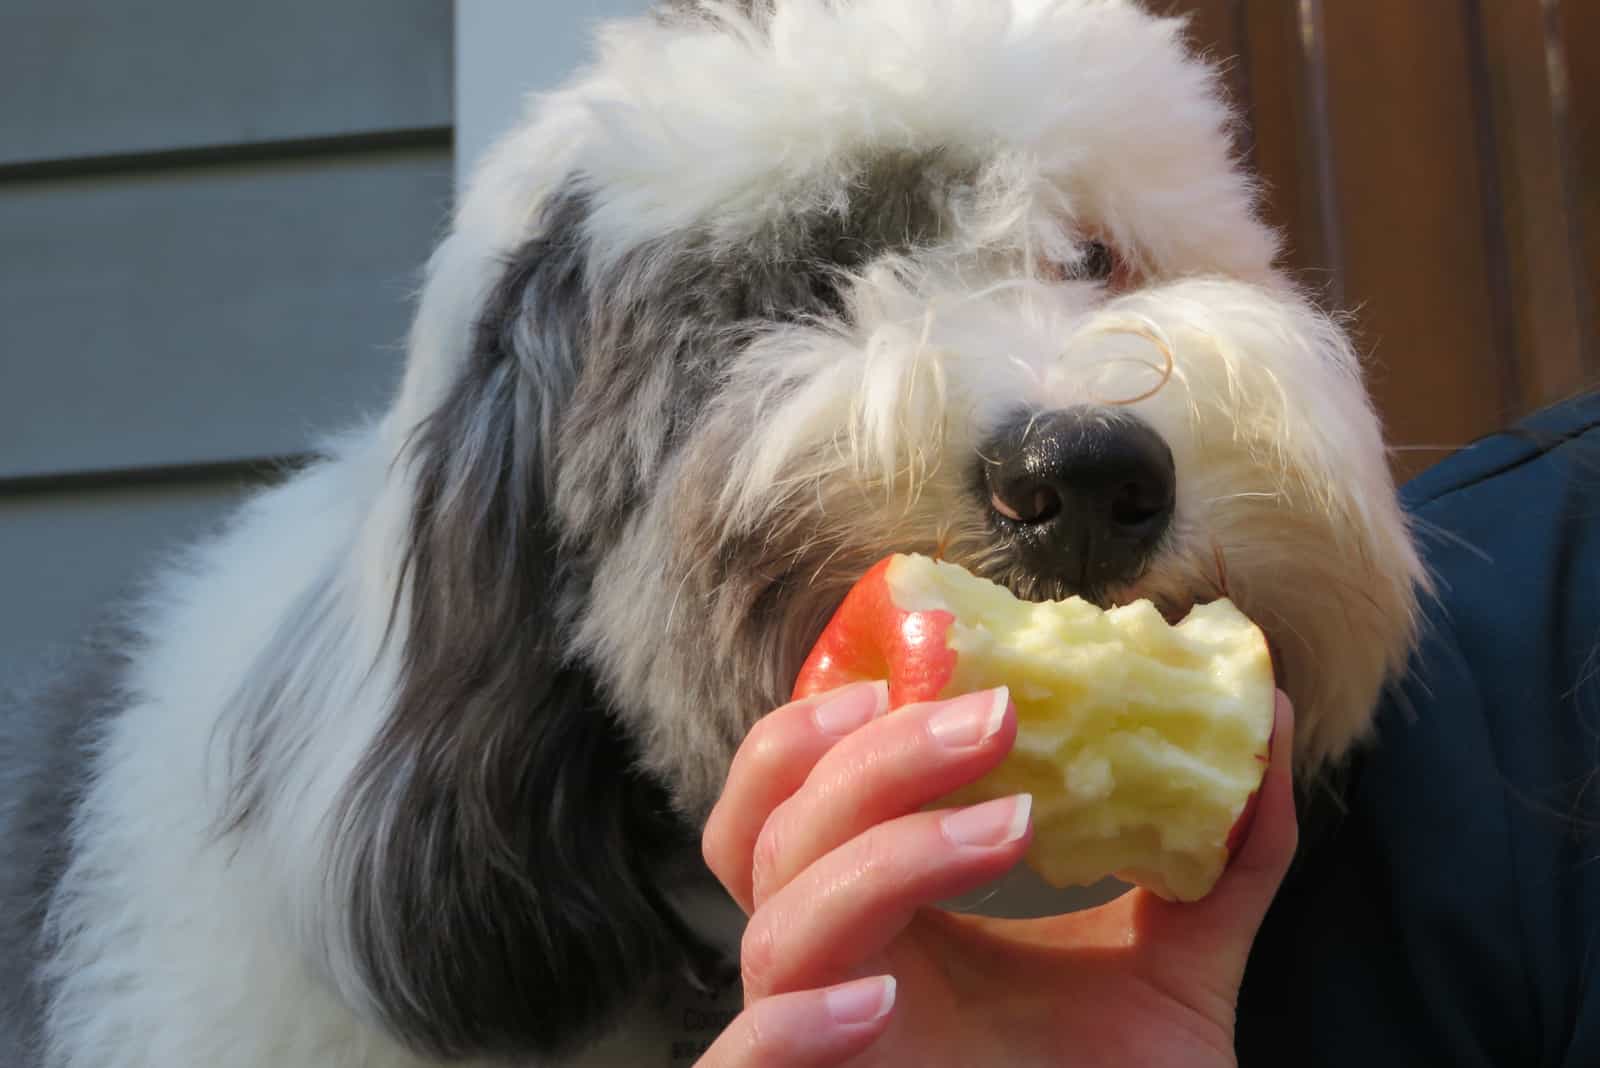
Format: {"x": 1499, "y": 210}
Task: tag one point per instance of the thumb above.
{"x": 1219, "y": 929}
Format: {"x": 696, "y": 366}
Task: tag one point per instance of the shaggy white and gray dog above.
{"x": 406, "y": 766}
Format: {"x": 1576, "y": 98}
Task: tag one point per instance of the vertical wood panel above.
{"x": 1283, "y": 141}
{"x": 1577, "y": 32}
{"x": 1541, "y": 256}
{"x": 1317, "y": 145}
{"x": 1492, "y": 211}
{"x": 1411, "y": 211}
{"x": 1217, "y": 29}
{"x": 1435, "y": 166}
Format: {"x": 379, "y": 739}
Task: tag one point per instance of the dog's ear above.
{"x": 502, "y": 848}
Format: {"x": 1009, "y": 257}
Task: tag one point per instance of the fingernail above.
{"x": 993, "y": 823}
{"x": 862, "y": 1001}
{"x": 852, "y": 707}
{"x": 969, "y": 720}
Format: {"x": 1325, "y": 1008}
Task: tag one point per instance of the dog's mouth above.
{"x": 1174, "y": 609}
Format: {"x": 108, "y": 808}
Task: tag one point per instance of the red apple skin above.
{"x": 870, "y": 637}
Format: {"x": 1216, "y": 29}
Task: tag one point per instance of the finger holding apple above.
{"x": 822, "y": 771}
{"x": 884, "y": 771}
{"x": 774, "y": 761}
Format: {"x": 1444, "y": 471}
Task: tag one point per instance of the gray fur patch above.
{"x": 457, "y": 840}
{"x": 502, "y": 854}
{"x": 697, "y": 10}
{"x": 666, "y": 322}
{"x": 647, "y": 440}
{"x": 46, "y": 738}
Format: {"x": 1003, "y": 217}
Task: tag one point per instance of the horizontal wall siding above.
{"x": 105, "y": 77}
{"x": 213, "y": 220}
{"x": 205, "y": 314}
{"x": 68, "y": 557}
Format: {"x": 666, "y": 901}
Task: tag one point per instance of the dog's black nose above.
{"x": 1086, "y": 494}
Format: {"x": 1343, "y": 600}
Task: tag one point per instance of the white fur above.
{"x": 179, "y": 949}
{"x": 1284, "y": 499}
{"x": 1088, "y": 109}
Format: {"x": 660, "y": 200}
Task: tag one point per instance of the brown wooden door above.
{"x": 1435, "y": 165}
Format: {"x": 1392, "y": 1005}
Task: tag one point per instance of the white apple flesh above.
{"x": 1143, "y": 743}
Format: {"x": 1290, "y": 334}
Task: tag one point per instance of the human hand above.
{"x": 820, "y": 836}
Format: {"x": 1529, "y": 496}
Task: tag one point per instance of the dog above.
{"x": 406, "y": 765}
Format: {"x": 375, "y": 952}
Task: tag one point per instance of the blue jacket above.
{"x": 1447, "y": 912}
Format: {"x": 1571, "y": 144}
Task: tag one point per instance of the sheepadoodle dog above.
{"x": 406, "y": 766}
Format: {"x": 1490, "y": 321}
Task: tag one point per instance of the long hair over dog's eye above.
{"x": 1098, "y": 261}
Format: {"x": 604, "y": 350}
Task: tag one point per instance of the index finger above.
{"x": 807, "y": 1028}
{"x": 771, "y": 764}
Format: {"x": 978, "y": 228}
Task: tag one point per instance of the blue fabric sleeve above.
{"x": 1445, "y": 906}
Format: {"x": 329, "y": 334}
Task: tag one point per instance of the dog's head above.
{"x": 771, "y": 291}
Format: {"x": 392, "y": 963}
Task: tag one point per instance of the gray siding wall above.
{"x": 212, "y": 222}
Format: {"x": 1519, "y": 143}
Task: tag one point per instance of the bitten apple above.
{"x": 1143, "y": 743}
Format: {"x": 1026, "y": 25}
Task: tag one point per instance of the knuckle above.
{"x": 767, "y": 857}
{"x": 880, "y": 859}
{"x": 766, "y": 745}
{"x": 757, "y": 957}
{"x": 759, "y": 756}
{"x": 760, "y": 1043}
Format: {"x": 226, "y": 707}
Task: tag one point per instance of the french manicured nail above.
{"x": 862, "y": 1001}
{"x": 971, "y": 719}
{"x": 993, "y": 823}
{"x": 852, "y": 707}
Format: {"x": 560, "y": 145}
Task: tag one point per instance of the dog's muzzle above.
{"x": 1084, "y": 494}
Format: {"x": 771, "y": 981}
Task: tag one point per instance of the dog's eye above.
{"x": 1099, "y": 263}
